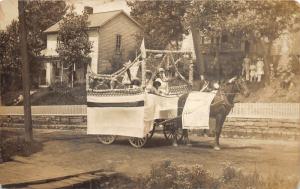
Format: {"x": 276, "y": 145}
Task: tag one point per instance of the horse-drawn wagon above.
{"x": 115, "y": 108}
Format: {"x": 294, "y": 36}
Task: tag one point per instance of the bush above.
{"x": 167, "y": 175}
{"x": 12, "y": 143}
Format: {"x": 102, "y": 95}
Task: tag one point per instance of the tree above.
{"x": 163, "y": 21}
{"x": 274, "y": 17}
{"x": 258, "y": 20}
{"x": 74, "y": 46}
{"x": 10, "y": 52}
{"x": 213, "y": 18}
{"x": 39, "y": 16}
{"x": 25, "y": 72}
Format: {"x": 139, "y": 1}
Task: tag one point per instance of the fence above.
{"x": 240, "y": 110}
{"x": 55, "y": 110}
{"x": 266, "y": 110}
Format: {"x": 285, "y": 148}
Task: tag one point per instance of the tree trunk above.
{"x": 267, "y": 62}
{"x": 73, "y": 70}
{"x": 25, "y": 72}
{"x": 218, "y": 66}
{"x": 1, "y": 87}
{"x": 197, "y": 49}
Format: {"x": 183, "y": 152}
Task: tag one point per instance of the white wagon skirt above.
{"x": 134, "y": 115}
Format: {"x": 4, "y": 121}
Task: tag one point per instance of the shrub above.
{"x": 167, "y": 175}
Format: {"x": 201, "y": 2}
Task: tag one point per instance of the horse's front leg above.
{"x": 220, "y": 118}
{"x": 175, "y": 141}
{"x": 174, "y": 133}
{"x": 186, "y": 139}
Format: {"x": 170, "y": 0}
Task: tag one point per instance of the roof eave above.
{"x": 122, "y": 12}
{"x": 56, "y": 31}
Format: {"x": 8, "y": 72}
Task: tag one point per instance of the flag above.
{"x": 143, "y": 49}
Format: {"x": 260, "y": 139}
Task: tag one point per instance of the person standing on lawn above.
{"x": 252, "y": 72}
{"x": 259, "y": 69}
{"x": 246, "y": 67}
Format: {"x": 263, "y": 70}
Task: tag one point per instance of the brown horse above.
{"x": 219, "y": 109}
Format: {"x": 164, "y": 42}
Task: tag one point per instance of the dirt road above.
{"x": 66, "y": 152}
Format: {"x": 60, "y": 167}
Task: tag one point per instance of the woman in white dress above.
{"x": 259, "y": 69}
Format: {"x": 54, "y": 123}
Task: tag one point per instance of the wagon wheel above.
{"x": 106, "y": 139}
{"x": 170, "y": 131}
{"x": 138, "y": 142}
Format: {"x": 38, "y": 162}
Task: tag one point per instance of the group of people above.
{"x": 157, "y": 84}
{"x": 253, "y": 70}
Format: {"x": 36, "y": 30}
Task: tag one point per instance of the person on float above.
{"x": 149, "y": 81}
{"x": 163, "y": 81}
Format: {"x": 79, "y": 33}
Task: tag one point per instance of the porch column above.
{"x": 48, "y": 73}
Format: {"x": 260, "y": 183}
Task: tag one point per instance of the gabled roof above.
{"x": 96, "y": 20}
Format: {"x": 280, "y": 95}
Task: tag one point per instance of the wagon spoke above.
{"x": 106, "y": 139}
{"x": 170, "y": 131}
{"x": 138, "y": 142}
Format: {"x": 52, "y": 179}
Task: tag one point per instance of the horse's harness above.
{"x": 223, "y": 99}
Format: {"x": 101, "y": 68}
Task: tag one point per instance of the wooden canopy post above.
{"x": 143, "y": 69}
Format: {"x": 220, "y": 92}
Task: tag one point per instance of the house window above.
{"x": 43, "y": 75}
{"x": 57, "y": 42}
{"x": 57, "y": 68}
{"x": 118, "y": 43}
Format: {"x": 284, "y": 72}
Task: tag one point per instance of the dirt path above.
{"x": 66, "y": 152}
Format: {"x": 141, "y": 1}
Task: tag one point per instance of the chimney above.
{"x": 88, "y": 10}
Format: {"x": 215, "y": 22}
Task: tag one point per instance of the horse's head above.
{"x": 239, "y": 85}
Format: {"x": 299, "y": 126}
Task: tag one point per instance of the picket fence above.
{"x": 240, "y": 110}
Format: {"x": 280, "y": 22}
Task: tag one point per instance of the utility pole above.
{"x": 25, "y": 71}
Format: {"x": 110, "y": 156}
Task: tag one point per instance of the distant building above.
{"x": 232, "y": 50}
{"x": 113, "y": 35}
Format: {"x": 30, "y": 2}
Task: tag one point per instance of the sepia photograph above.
{"x": 150, "y": 94}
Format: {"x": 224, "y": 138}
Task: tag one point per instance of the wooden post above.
{"x": 73, "y": 70}
{"x": 143, "y": 73}
{"x": 25, "y": 71}
{"x": 168, "y": 61}
{"x": 87, "y": 78}
{"x": 191, "y": 72}
{"x": 62, "y": 73}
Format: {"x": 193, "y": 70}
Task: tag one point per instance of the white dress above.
{"x": 252, "y": 70}
{"x": 260, "y": 67}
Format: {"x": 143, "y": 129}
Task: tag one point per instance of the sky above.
{"x": 8, "y": 12}
{"x": 9, "y": 8}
